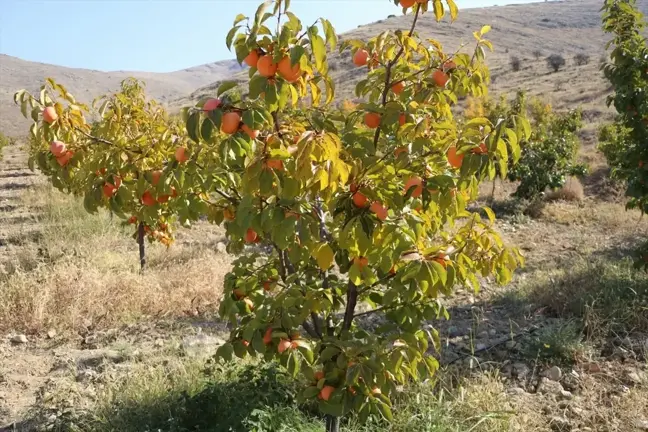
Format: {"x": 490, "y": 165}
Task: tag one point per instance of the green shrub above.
{"x": 549, "y": 156}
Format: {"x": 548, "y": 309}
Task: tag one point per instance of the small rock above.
{"x": 521, "y": 370}
{"x": 51, "y": 334}
{"x": 548, "y": 386}
{"x": 511, "y": 344}
{"x": 480, "y": 346}
{"x": 554, "y": 373}
{"x": 454, "y": 331}
{"x": 19, "y": 339}
{"x": 221, "y": 247}
{"x": 501, "y": 355}
{"x": 516, "y": 391}
{"x": 577, "y": 411}
{"x": 492, "y": 332}
{"x": 635, "y": 378}
{"x": 642, "y": 425}
{"x": 201, "y": 344}
{"x": 565, "y": 395}
{"x": 483, "y": 335}
{"x": 86, "y": 375}
{"x": 559, "y": 424}
{"x": 159, "y": 343}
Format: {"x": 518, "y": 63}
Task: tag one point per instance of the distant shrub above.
{"x": 537, "y": 54}
{"x": 555, "y": 62}
{"x": 614, "y": 140}
{"x": 581, "y": 59}
{"x": 391, "y": 16}
{"x": 4, "y": 142}
{"x": 571, "y": 191}
{"x": 516, "y": 63}
{"x": 549, "y": 156}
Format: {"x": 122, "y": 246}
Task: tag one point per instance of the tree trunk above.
{"x": 142, "y": 250}
{"x": 332, "y": 424}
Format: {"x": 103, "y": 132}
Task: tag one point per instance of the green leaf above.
{"x": 296, "y": 53}
{"x": 329, "y": 31}
{"x": 385, "y": 410}
{"x": 310, "y": 392}
{"x": 318, "y": 48}
{"x": 240, "y": 17}
{"x": 325, "y": 257}
{"x": 230, "y": 37}
{"x": 328, "y": 353}
{"x": 225, "y": 352}
{"x": 227, "y": 85}
{"x": 206, "y": 130}
{"x": 258, "y": 17}
{"x": 192, "y": 126}
{"x": 490, "y": 214}
{"x": 258, "y": 85}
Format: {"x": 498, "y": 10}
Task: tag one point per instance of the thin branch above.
{"x": 380, "y": 282}
{"x": 387, "y": 81}
{"x": 372, "y": 311}
{"x": 352, "y": 300}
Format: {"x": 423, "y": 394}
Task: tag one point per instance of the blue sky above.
{"x": 155, "y": 35}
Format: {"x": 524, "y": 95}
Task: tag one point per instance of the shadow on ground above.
{"x": 218, "y": 398}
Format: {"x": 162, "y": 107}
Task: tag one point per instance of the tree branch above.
{"x": 352, "y": 300}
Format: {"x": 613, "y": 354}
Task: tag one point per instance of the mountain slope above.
{"x": 566, "y": 28}
{"x": 87, "y": 84}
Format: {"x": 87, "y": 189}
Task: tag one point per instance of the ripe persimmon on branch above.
{"x": 362, "y": 211}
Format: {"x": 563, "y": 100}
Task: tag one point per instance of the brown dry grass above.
{"x": 571, "y": 191}
{"x": 83, "y": 271}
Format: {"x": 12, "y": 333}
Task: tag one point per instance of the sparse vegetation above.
{"x": 537, "y": 54}
{"x": 4, "y": 142}
{"x": 555, "y": 62}
{"x": 516, "y": 63}
{"x": 581, "y": 59}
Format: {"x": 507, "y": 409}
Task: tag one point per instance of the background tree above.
{"x": 626, "y": 142}
{"x": 129, "y": 161}
{"x": 555, "y": 62}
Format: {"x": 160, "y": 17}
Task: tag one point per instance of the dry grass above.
{"x": 83, "y": 271}
{"x": 571, "y": 191}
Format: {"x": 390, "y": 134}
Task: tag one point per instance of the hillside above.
{"x": 566, "y": 28}
{"x": 87, "y": 84}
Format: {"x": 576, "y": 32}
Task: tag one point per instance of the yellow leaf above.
{"x": 485, "y": 30}
{"x": 325, "y": 257}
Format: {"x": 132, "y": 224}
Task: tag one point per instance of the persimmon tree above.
{"x": 626, "y": 141}
{"x": 548, "y": 155}
{"x": 362, "y": 212}
{"x": 131, "y": 160}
